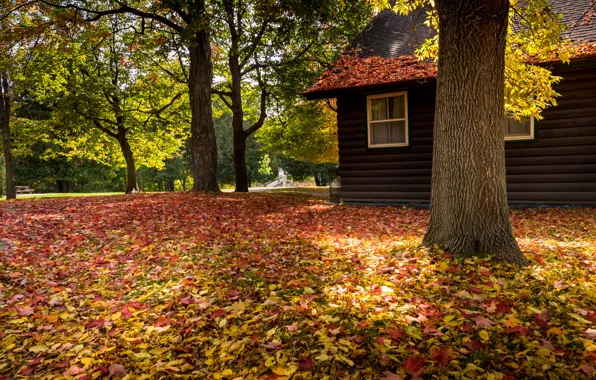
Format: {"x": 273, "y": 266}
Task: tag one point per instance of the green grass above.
{"x": 314, "y": 191}
{"x": 59, "y": 195}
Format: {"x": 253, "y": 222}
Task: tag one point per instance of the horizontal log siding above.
{"x": 559, "y": 167}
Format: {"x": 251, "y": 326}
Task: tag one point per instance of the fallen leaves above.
{"x": 271, "y": 287}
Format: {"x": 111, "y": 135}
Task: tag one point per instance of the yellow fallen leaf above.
{"x": 270, "y": 361}
{"x": 116, "y": 316}
{"x": 38, "y": 349}
{"x": 87, "y": 361}
{"x": 484, "y": 335}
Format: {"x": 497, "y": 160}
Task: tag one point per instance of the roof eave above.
{"x": 335, "y": 93}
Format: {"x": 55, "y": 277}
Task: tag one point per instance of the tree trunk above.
{"x": 239, "y": 157}
{"x": 171, "y": 185}
{"x": 239, "y": 136}
{"x": 203, "y": 144}
{"x": 184, "y": 184}
{"x": 131, "y": 172}
{"x": 11, "y": 192}
{"x": 317, "y": 180}
{"x": 469, "y": 210}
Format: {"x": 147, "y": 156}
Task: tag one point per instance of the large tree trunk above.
{"x": 203, "y": 144}
{"x": 239, "y": 157}
{"x": 239, "y": 135}
{"x": 469, "y": 210}
{"x": 132, "y": 185}
{"x": 11, "y": 192}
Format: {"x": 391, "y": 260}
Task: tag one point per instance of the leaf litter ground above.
{"x": 261, "y": 286}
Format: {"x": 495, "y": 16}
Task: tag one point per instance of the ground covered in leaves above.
{"x": 262, "y": 286}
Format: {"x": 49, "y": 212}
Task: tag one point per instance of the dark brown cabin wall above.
{"x": 386, "y": 174}
{"x": 558, "y": 167}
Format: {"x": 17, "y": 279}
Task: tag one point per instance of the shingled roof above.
{"x": 389, "y": 39}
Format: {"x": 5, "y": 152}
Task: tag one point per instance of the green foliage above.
{"x": 261, "y": 167}
{"x": 86, "y": 176}
{"x": 305, "y": 131}
{"x": 302, "y": 171}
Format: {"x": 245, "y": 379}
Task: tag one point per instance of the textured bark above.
{"x": 469, "y": 210}
{"x": 203, "y": 144}
{"x": 11, "y": 192}
{"x": 239, "y": 136}
{"x": 132, "y": 185}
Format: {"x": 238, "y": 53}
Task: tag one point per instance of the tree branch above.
{"x": 263, "y": 115}
{"x": 104, "y": 129}
{"x": 122, "y": 9}
{"x": 277, "y": 64}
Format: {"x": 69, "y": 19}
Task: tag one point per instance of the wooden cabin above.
{"x": 385, "y": 112}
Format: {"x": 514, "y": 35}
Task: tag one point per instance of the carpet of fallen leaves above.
{"x": 263, "y": 286}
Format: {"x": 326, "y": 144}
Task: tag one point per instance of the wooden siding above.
{"x": 558, "y": 167}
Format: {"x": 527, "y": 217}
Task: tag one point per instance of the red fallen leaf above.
{"x": 27, "y": 371}
{"x": 387, "y": 375}
{"x": 542, "y": 318}
{"x": 116, "y": 369}
{"x": 305, "y": 364}
{"x": 517, "y": 330}
{"x": 84, "y": 377}
{"x": 474, "y": 345}
{"x": 126, "y": 313}
{"x": 504, "y": 306}
{"x": 431, "y": 330}
{"x": 292, "y": 328}
{"x": 539, "y": 259}
{"x": 73, "y": 371}
{"x": 413, "y": 364}
{"x": 509, "y": 377}
{"x": 547, "y": 344}
{"x": 363, "y": 324}
{"x": 97, "y": 323}
{"x": 396, "y": 334}
{"x": 588, "y": 369}
{"x": 217, "y": 313}
{"x": 482, "y": 321}
{"x": 62, "y": 364}
{"x": 453, "y": 270}
{"x": 592, "y": 357}
{"x": 442, "y": 355}
{"x": 467, "y": 327}
{"x": 272, "y": 345}
{"x": 162, "y": 321}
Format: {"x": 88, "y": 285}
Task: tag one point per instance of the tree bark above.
{"x": 171, "y": 186}
{"x": 132, "y": 185}
{"x": 317, "y": 180}
{"x": 469, "y": 209}
{"x": 203, "y": 144}
{"x": 11, "y": 192}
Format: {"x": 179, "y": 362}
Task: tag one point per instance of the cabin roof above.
{"x": 383, "y": 53}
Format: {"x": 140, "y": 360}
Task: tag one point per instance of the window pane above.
{"x": 380, "y": 133}
{"x": 517, "y": 128}
{"x": 388, "y": 133}
{"x": 398, "y": 132}
{"x": 397, "y": 109}
{"x": 378, "y": 109}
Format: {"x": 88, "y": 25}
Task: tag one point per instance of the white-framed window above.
{"x": 387, "y": 120}
{"x": 519, "y": 129}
